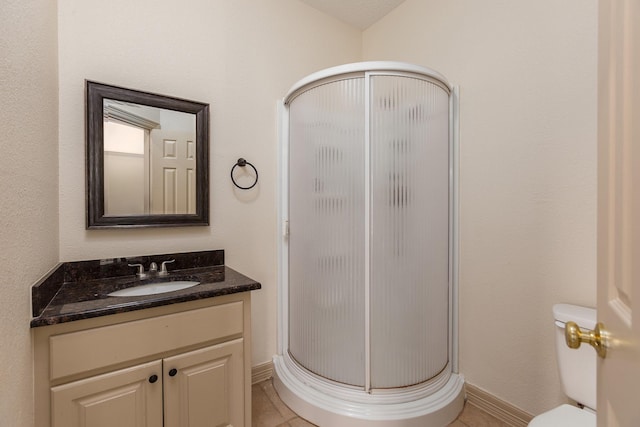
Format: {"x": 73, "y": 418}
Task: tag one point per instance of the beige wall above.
{"x": 527, "y": 77}
{"x": 240, "y": 56}
{"x": 29, "y": 182}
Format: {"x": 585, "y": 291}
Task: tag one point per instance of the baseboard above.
{"x": 498, "y": 408}
{"x": 261, "y": 372}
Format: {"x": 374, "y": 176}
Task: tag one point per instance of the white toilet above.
{"x": 577, "y": 372}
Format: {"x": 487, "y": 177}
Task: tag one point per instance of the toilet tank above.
{"x": 577, "y": 366}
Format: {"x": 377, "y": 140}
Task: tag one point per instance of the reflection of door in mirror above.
{"x": 173, "y": 164}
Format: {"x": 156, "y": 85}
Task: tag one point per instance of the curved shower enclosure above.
{"x": 368, "y": 287}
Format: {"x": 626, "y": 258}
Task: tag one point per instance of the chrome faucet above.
{"x": 153, "y": 269}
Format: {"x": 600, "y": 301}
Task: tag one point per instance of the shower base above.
{"x": 325, "y": 403}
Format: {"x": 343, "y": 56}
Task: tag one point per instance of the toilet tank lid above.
{"x": 585, "y": 317}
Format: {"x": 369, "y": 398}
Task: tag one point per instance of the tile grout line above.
{"x": 272, "y": 405}
{"x": 293, "y": 414}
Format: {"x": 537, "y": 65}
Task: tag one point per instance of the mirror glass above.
{"x": 147, "y": 162}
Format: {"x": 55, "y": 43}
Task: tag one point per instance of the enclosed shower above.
{"x": 367, "y": 333}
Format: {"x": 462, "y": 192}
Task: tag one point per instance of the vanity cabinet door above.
{"x": 205, "y": 388}
{"x": 129, "y": 397}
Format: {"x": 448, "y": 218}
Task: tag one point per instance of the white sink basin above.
{"x": 154, "y": 288}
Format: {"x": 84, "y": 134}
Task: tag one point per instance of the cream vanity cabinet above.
{"x": 181, "y": 365}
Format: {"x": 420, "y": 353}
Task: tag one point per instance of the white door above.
{"x": 619, "y": 211}
{"x": 173, "y": 172}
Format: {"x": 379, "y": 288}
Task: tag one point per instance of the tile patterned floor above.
{"x": 269, "y": 411}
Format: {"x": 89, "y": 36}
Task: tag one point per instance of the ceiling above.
{"x": 358, "y": 13}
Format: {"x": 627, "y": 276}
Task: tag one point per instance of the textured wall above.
{"x": 29, "y": 182}
{"x": 527, "y": 77}
{"x": 240, "y": 56}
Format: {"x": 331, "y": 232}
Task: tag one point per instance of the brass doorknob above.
{"x": 596, "y": 338}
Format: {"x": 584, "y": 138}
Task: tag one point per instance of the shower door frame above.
{"x": 366, "y": 70}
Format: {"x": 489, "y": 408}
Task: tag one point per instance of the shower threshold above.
{"x": 436, "y": 403}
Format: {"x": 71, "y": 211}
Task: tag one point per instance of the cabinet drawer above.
{"x": 82, "y": 351}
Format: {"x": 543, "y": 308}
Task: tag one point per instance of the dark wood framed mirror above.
{"x": 147, "y": 159}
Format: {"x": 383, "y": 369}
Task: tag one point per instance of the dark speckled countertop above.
{"x": 75, "y": 291}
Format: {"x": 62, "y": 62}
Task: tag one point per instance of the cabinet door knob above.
{"x": 153, "y": 378}
{"x": 173, "y": 372}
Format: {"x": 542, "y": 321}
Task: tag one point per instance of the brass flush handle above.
{"x": 596, "y": 338}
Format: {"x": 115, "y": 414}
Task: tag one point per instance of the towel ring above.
{"x": 242, "y": 163}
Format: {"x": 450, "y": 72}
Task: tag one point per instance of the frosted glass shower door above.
{"x": 369, "y": 249}
{"x": 327, "y": 230}
{"x": 409, "y": 286}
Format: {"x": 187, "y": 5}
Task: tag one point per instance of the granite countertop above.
{"x": 59, "y": 299}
